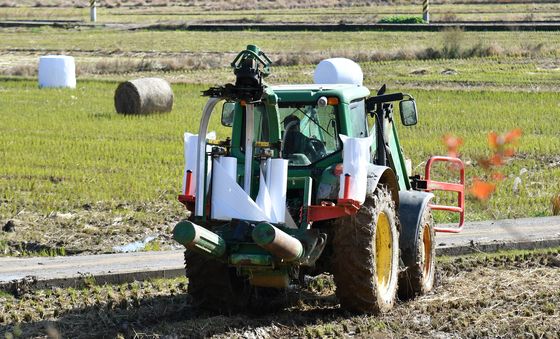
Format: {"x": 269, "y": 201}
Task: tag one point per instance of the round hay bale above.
{"x": 144, "y": 96}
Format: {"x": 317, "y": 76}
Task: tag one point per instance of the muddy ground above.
{"x": 507, "y": 295}
{"x": 94, "y": 229}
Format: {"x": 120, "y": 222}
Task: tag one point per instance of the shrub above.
{"x": 402, "y": 19}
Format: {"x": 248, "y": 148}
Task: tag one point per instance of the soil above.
{"x": 93, "y": 229}
{"x": 507, "y": 295}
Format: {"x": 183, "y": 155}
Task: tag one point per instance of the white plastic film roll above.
{"x": 338, "y": 71}
{"x": 277, "y": 181}
{"x": 356, "y": 157}
{"x": 230, "y": 165}
{"x": 57, "y": 71}
{"x": 190, "y": 150}
{"x": 217, "y": 210}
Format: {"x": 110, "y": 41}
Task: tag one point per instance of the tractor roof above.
{"x": 312, "y": 92}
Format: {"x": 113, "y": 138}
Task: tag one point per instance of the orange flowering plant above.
{"x": 502, "y": 147}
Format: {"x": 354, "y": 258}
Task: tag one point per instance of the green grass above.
{"x": 471, "y": 115}
{"x": 62, "y": 149}
{"x": 3, "y": 247}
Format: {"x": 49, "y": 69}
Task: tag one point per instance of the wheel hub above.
{"x": 427, "y": 254}
{"x": 383, "y": 251}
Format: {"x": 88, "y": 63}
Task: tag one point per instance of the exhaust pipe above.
{"x": 277, "y": 242}
{"x": 199, "y": 239}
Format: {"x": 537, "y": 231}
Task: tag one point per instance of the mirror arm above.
{"x": 410, "y": 97}
{"x": 383, "y": 98}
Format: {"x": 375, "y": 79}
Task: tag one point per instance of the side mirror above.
{"x": 409, "y": 115}
{"x": 227, "y": 113}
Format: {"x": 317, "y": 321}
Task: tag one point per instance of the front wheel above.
{"x": 366, "y": 256}
{"x": 419, "y": 277}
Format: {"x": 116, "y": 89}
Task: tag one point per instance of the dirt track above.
{"x": 511, "y": 296}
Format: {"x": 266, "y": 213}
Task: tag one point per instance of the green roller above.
{"x": 277, "y": 242}
{"x": 199, "y": 239}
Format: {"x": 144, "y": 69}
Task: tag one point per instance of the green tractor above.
{"x": 311, "y": 180}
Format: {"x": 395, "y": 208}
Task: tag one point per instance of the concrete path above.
{"x": 106, "y": 268}
{"x": 484, "y": 236}
{"x": 491, "y": 236}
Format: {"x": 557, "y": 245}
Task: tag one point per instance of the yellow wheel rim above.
{"x": 427, "y": 255}
{"x": 383, "y": 251}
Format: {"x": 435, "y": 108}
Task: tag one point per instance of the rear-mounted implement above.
{"x": 429, "y": 185}
{"x": 328, "y": 210}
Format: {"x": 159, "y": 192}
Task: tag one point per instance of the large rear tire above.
{"x": 365, "y": 260}
{"x": 418, "y": 279}
{"x": 213, "y": 286}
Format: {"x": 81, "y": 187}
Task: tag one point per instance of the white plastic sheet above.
{"x": 263, "y": 200}
{"x": 57, "y": 71}
{"x": 191, "y": 151}
{"x": 338, "y": 71}
{"x": 355, "y": 156}
{"x": 229, "y": 200}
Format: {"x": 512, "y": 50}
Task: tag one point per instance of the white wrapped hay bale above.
{"x": 338, "y": 71}
{"x": 57, "y": 71}
{"x": 144, "y": 96}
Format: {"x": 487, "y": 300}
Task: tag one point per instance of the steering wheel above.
{"x": 315, "y": 149}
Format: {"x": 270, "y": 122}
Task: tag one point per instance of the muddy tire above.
{"x": 213, "y": 286}
{"x": 365, "y": 259}
{"x": 419, "y": 278}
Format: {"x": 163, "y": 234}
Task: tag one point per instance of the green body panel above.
{"x": 398, "y": 159}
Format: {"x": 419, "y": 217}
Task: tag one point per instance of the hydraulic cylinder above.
{"x": 277, "y": 242}
{"x": 199, "y": 239}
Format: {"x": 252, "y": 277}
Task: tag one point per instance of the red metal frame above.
{"x": 432, "y": 185}
{"x": 328, "y": 210}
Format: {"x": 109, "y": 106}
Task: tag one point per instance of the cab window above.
{"x": 309, "y": 133}
{"x": 358, "y": 120}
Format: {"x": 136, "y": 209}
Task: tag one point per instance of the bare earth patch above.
{"x": 94, "y": 229}
{"x": 508, "y": 295}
